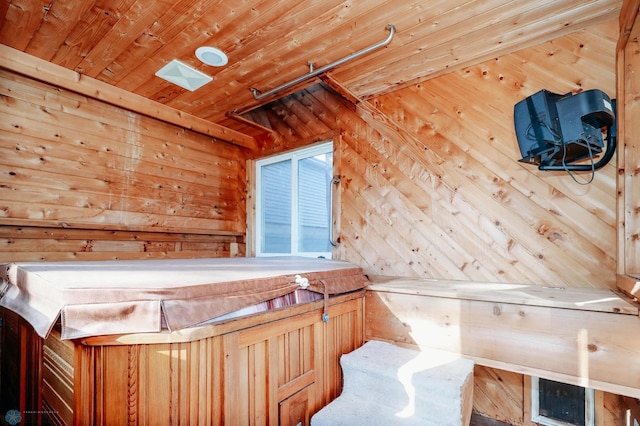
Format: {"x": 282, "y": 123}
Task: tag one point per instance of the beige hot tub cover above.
{"x": 132, "y": 296}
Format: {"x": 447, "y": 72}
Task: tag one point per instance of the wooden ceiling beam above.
{"x": 31, "y": 66}
{"x": 340, "y": 89}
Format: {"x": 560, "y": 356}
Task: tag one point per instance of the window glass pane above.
{"x": 276, "y": 207}
{"x": 314, "y": 203}
{"x": 293, "y": 202}
{"x": 562, "y": 401}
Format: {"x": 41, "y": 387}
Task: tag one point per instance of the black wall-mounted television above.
{"x": 554, "y": 130}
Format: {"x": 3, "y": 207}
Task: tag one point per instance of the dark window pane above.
{"x": 561, "y": 401}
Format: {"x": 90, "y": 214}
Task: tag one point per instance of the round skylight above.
{"x": 212, "y": 56}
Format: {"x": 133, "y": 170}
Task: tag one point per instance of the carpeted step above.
{"x": 387, "y": 384}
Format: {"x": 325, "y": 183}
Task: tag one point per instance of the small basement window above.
{"x": 560, "y": 404}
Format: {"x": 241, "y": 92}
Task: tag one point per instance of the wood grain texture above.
{"x": 277, "y": 366}
{"x": 21, "y": 367}
{"x": 431, "y": 186}
{"x": 15, "y": 61}
{"x": 58, "y": 358}
{"x": 37, "y": 244}
{"x": 122, "y": 43}
{"x": 506, "y": 397}
{"x": 585, "y": 299}
{"x": 628, "y": 67}
{"x": 72, "y": 162}
{"x": 592, "y": 349}
{"x": 498, "y": 394}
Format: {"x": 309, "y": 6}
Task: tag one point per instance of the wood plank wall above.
{"x": 431, "y": 186}
{"x": 84, "y": 180}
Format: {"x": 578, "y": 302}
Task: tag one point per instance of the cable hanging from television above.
{"x": 556, "y": 131}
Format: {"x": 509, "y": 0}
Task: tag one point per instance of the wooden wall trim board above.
{"x": 237, "y": 116}
{"x": 628, "y": 178}
{"x": 17, "y": 61}
{"x": 629, "y": 286}
{"x": 627, "y": 19}
{"x": 583, "y": 299}
{"x": 251, "y": 213}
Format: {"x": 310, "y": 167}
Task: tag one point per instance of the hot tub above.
{"x": 190, "y": 341}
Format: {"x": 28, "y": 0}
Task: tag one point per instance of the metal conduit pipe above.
{"x": 257, "y": 94}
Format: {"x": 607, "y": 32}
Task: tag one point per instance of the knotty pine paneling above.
{"x": 498, "y": 394}
{"x": 506, "y": 396}
{"x": 431, "y": 185}
{"x": 82, "y": 179}
{"x": 123, "y": 43}
{"x": 39, "y": 244}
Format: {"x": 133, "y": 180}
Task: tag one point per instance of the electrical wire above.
{"x": 593, "y": 168}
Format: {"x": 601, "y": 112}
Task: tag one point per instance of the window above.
{"x": 293, "y": 203}
{"x": 561, "y": 404}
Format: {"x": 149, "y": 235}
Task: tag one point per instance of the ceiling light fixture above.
{"x": 212, "y": 56}
{"x": 184, "y": 76}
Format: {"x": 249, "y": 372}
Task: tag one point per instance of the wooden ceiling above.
{"x": 269, "y": 42}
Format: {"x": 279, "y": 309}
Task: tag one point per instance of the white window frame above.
{"x": 589, "y": 407}
{"x": 294, "y": 156}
